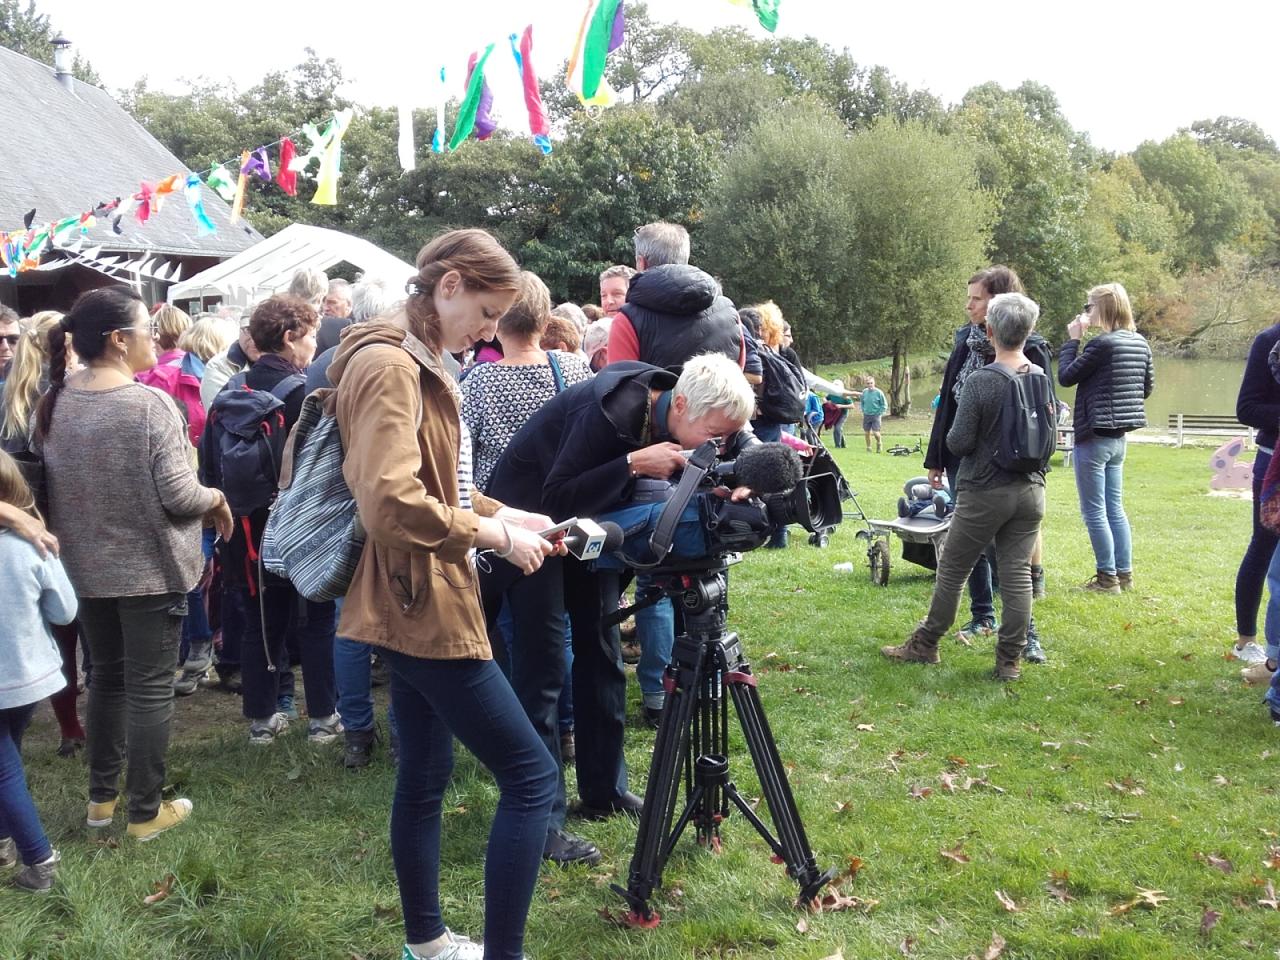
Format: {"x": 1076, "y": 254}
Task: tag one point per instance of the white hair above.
{"x": 597, "y": 336}
{"x": 309, "y": 284}
{"x": 1011, "y": 317}
{"x": 369, "y": 299}
{"x": 573, "y": 313}
{"x": 662, "y": 243}
{"x": 714, "y": 382}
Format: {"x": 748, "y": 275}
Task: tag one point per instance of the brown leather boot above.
{"x": 917, "y": 649}
{"x": 1102, "y": 582}
{"x": 1125, "y": 579}
{"x": 1008, "y": 670}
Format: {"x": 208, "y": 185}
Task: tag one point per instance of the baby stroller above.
{"x": 924, "y": 517}
{"x": 818, "y": 462}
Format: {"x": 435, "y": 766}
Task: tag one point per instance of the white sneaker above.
{"x": 457, "y": 948}
{"x": 1249, "y": 653}
{"x": 325, "y": 729}
{"x": 1257, "y": 673}
{"x": 263, "y": 733}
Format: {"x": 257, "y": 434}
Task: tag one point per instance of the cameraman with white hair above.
{"x": 580, "y": 455}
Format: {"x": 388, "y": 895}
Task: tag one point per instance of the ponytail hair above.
{"x": 22, "y": 390}
{"x": 95, "y": 314}
{"x": 478, "y": 258}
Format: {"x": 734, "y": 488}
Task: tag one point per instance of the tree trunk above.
{"x": 900, "y": 382}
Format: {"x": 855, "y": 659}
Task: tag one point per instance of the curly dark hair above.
{"x": 276, "y": 316}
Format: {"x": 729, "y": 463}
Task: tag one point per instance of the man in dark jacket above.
{"x": 972, "y": 351}
{"x": 580, "y": 455}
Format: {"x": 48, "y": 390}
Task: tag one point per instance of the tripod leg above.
{"x": 654, "y": 839}
{"x": 792, "y": 845}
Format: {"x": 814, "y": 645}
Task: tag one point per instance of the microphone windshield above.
{"x": 613, "y": 536}
{"x": 768, "y": 468}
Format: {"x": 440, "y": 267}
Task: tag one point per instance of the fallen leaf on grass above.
{"x": 1272, "y": 862}
{"x": 919, "y": 793}
{"x": 1050, "y": 745}
{"x": 1221, "y": 781}
{"x": 385, "y": 913}
{"x": 866, "y": 727}
{"x": 948, "y": 781}
{"x": 1217, "y": 862}
{"x": 844, "y": 807}
{"x": 1057, "y": 886}
{"x": 1209, "y": 921}
{"x": 996, "y": 948}
{"x": 1270, "y": 899}
{"x": 111, "y": 843}
{"x": 834, "y": 901}
{"x": 802, "y": 925}
{"x": 617, "y": 919}
{"x": 855, "y": 865}
{"x": 1145, "y": 898}
{"x": 956, "y": 853}
{"x": 1176, "y": 701}
{"x": 907, "y": 946}
{"x": 1006, "y": 901}
{"x": 162, "y": 889}
{"x": 957, "y": 761}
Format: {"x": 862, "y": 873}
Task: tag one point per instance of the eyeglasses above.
{"x": 1088, "y": 307}
{"x": 153, "y": 330}
{"x": 11, "y": 338}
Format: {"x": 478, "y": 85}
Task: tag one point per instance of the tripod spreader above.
{"x": 692, "y": 744}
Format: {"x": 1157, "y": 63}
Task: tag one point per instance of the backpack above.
{"x": 313, "y": 536}
{"x": 785, "y": 392}
{"x": 178, "y": 379}
{"x": 244, "y": 442}
{"x": 1028, "y": 427}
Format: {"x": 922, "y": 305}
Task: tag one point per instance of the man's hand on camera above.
{"x": 659, "y": 461}
{"x": 737, "y": 494}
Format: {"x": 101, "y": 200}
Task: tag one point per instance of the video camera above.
{"x": 694, "y": 521}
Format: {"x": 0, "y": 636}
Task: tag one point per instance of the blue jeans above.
{"x": 656, "y": 632}
{"x": 1099, "y": 463}
{"x": 436, "y": 700}
{"x": 18, "y": 816}
{"x": 837, "y": 428}
{"x": 1257, "y": 557}
{"x": 353, "y": 678}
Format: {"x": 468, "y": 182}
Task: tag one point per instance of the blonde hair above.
{"x": 206, "y": 338}
{"x": 13, "y": 487}
{"x": 477, "y": 257}
{"x": 1111, "y": 301}
{"x": 770, "y": 324}
{"x": 171, "y": 323}
{"x": 22, "y": 389}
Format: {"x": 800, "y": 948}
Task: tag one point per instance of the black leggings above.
{"x": 1257, "y": 558}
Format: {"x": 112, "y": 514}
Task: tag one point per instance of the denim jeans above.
{"x": 314, "y": 626}
{"x": 353, "y": 677}
{"x": 656, "y": 632}
{"x": 1099, "y": 463}
{"x": 435, "y": 701}
{"x": 982, "y": 604}
{"x": 837, "y": 428}
{"x": 18, "y": 816}
{"x": 134, "y": 642}
{"x": 1257, "y": 557}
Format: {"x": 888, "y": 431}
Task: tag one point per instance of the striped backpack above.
{"x": 313, "y": 536}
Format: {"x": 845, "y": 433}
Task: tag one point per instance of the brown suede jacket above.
{"x": 415, "y": 589}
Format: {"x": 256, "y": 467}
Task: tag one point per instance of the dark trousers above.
{"x": 1257, "y": 557}
{"x": 435, "y": 701}
{"x": 18, "y": 816}
{"x": 538, "y": 604}
{"x": 982, "y": 603}
{"x": 64, "y": 701}
{"x": 263, "y": 661}
{"x": 134, "y": 644}
{"x": 233, "y": 619}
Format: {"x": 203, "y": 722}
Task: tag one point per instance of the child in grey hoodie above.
{"x": 37, "y": 593}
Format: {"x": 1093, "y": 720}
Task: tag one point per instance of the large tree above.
{"x": 31, "y": 33}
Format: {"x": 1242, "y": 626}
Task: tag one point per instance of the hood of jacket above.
{"x": 676, "y": 289}
{"x": 384, "y": 333}
{"x": 623, "y": 390}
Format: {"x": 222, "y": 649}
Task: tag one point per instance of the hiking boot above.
{"x": 1102, "y": 582}
{"x": 38, "y": 877}
{"x": 1033, "y": 652}
{"x": 187, "y": 683}
{"x": 199, "y": 658}
{"x": 1248, "y": 653}
{"x": 325, "y": 729}
{"x": 70, "y": 746}
{"x": 1257, "y": 674}
{"x": 1125, "y": 579}
{"x": 457, "y": 947}
{"x": 358, "y": 750}
{"x": 568, "y": 747}
{"x": 1008, "y": 670}
{"x": 101, "y": 814}
{"x": 916, "y": 650}
{"x": 263, "y": 733}
{"x": 8, "y": 853}
{"x": 1037, "y": 583}
{"x": 564, "y": 849}
{"x": 170, "y": 814}
{"x": 977, "y": 627}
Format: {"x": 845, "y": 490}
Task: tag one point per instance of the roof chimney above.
{"x": 62, "y": 61}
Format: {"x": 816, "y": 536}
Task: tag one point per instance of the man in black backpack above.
{"x": 1001, "y": 487}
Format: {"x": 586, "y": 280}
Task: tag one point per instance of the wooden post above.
{"x": 1179, "y": 430}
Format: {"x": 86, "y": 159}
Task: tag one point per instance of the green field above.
{"x": 1134, "y": 760}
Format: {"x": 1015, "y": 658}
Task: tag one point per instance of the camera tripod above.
{"x": 692, "y": 743}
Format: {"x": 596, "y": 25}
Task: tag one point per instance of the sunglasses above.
{"x": 11, "y": 338}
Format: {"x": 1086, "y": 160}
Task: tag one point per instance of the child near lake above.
{"x": 37, "y": 593}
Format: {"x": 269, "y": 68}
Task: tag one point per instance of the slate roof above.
{"x": 63, "y": 151}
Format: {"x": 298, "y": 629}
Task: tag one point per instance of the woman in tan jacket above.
{"x": 415, "y": 592}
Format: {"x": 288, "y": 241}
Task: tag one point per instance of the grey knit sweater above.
{"x": 124, "y": 500}
{"x": 975, "y": 433}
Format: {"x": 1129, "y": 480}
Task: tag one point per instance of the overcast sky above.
{"x": 1123, "y": 71}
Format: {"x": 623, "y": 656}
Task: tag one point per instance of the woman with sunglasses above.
{"x": 127, "y": 509}
{"x": 1114, "y": 374}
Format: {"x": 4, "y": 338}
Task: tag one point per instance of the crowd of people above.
{"x": 473, "y": 415}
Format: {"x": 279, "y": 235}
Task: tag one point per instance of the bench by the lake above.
{"x": 1207, "y": 425}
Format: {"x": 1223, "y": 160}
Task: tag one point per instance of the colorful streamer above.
{"x": 405, "y": 147}
{"x": 314, "y": 152}
{"x": 257, "y": 165}
{"x": 471, "y": 102}
{"x": 766, "y": 11}
{"x": 195, "y": 199}
{"x": 442, "y": 95}
{"x": 237, "y": 204}
{"x": 538, "y": 125}
{"x": 331, "y": 160}
{"x": 602, "y": 31}
{"x": 285, "y": 177}
{"x": 144, "y": 198}
{"x": 485, "y": 124}
{"x": 221, "y": 181}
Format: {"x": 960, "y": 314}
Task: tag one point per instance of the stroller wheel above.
{"x": 878, "y": 557}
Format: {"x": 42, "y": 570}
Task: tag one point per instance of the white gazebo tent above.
{"x": 268, "y": 267}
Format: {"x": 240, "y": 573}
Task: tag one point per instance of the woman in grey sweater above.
{"x": 998, "y": 504}
{"x": 127, "y": 510}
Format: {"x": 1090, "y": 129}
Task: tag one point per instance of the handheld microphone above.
{"x": 586, "y": 539}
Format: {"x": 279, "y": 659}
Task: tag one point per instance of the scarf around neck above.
{"x": 981, "y": 352}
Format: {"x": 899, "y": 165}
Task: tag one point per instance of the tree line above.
{"x": 858, "y": 204}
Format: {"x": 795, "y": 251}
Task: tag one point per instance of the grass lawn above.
{"x": 1134, "y": 760}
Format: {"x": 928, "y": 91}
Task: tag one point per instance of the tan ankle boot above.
{"x": 1125, "y": 579}
{"x": 917, "y": 649}
{"x": 1102, "y": 582}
